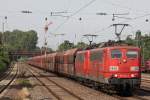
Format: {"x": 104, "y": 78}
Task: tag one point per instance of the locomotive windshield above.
{"x": 132, "y": 54}
{"x": 116, "y": 53}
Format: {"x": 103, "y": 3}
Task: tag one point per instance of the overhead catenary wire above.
{"x": 103, "y": 29}
{"x": 135, "y": 18}
{"x": 124, "y": 7}
{"x": 86, "y": 5}
{"x": 127, "y": 20}
{"x": 114, "y": 5}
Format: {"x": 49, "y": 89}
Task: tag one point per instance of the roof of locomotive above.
{"x": 121, "y": 47}
{"x": 110, "y": 47}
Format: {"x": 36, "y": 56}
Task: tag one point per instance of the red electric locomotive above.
{"x": 116, "y": 67}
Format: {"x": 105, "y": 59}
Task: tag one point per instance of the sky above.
{"x": 135, "y": 13}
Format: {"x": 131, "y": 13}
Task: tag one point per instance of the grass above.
{"x": 24, "y": 83}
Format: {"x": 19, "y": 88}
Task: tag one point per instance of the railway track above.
{"x": 145, "y": 86}
{"x": 145, "y": 80}
{"x": 82, "y": 92}
{"x": 55, "y": 89}
{"x": 141, "y": 94}
{"x": 8, "y": 78}
{"x": 144, "y": 75}
{"x": 136, "y": 96}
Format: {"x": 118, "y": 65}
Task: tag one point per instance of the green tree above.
{"x": 50, "y": 50}
{"x": 146, "y": 47}
{"x": 81, "y": 45}
{"x": 4, "y": 61}
{"x": 13, "y": 41}
{"x": 42, "y": 49}
{"x": 65, "y": 46}
{"x": 138, "y": 38}
{"x": 19, "y": 40}
{"x": 142, "y": 41}
{"x": 130, "y": 41}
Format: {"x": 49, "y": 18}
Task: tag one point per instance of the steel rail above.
{"x": 71, "y": 93}
{"x": 5, "y": 87}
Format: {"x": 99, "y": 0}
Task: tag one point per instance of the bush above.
{"x": 2, "y": 66}
{"x": 4, "y": 62}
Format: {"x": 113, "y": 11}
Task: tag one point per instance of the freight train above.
{"x": 115, "y": 67}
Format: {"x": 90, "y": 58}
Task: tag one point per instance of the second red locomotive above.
{"x": 116, "y": 67}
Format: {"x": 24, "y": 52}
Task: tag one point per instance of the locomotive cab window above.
{"x": 131, "y": 54}
{"x": 116, "y": 54}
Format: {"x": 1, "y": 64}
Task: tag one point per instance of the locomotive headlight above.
{"x": 132, "y": 75}
{"x": 115, "y": 75}
{"x": 134, "y": 68}
{"x": 113, "y": 68}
